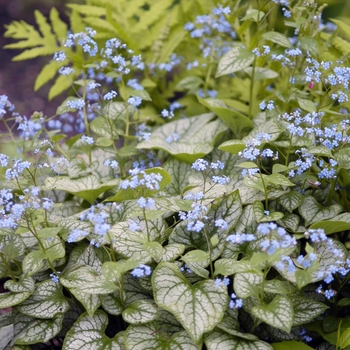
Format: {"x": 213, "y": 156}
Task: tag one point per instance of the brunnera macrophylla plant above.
{"x": 218, "y": 221}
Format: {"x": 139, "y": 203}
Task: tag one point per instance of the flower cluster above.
{"x": 139, "y": 178}
{"x": 141, "y": 271}
{"x": 212, "y": 29}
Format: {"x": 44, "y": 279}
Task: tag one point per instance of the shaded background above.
{"x": 17, "y": 78}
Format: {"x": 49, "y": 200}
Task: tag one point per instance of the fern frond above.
{"x": 88, "y": 10}
{"x": 62, "y": 83}
{"x": 342, "y": 45}
{"x": 171, "y": 44}
{"x": 47, "y": 73}
{"x": 43, "y": 42}
{"x": 343, "y": 28}
{"x": 151, "y": 16}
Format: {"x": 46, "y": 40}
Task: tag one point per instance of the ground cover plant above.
{"x": 192, "y": 191}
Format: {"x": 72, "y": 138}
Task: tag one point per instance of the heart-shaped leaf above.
{"x": 219, "y": 340}
{"x": 87, "y": 187}
{"x": 306, "y": 310}
{"x": 247, "y": 284}
{"x": 279, "y": 313}
{"x": 199, "y": 307}
{"x": 313, "y": 212}
{"x": 236, "y": 59}
{"x": 10, "y": 299}
{"x": 195, "y": 137}
{"x": 45, "y": 302}
{"x": 29, "y": 330}
{"x": 149, "y": 336}
{"x": 91, "y": 331}
{"x": 141, "y": 311}
{"x": 337, "y": 224}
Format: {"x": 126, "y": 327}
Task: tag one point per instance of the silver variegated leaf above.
{"x": 90, "y": 331}
{"x": 45, "y": 302}
{"x": 112, "y": 303}
{"x": 247, "y": 284}
{"x": 313, "y": 212}
{"x": 279, "y": 313}
{"x": 91, "y": 302}
{"x": 219, "y": 340}
{"x": 29, "y": 330}
{"x": 291, "y": 200}
{"x": 180, "y": 173}
{"x": 306, "y": 310}
{"x": 150, "y": 337}
{"x": 172, "y": 251}
{"x": 199, "y": 307}
{"x": 197, "y": 136}
{"x": 10, "y": 299}
{"x": 26, "y": 284}
{"x": 230, "y": 325}
{"x": 141, "y": 311}
{"x": 87, "y": 280}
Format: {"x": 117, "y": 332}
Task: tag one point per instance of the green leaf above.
{"x": 91, "y": 331}
{"x": 10, "y": 299}
{"x": 29, "y": 330}
{"x": 195, "y": 256}
{"x": 86, "y": 279}
{"x": 322, "y": 151}
{"x": 247, "y": 284}
{"x": 232, "y": 146}
{"x": 254, "y": 15}
{"x": 48, "y": 232}
{"x": 277, "y": 38}
{"x": 141, "y": 311}
{"x": 339, "y": 223}
{"x": 290, "y": 345}
{"x": 278, "y": 179}
{"x": 129, "y": 193}
{"x": 199, "y": 307}
{"x": 219, "y": 340}
{"x": 313, "y": 212}
{"x": 149, "y": 336}
{"x": 235, "y": 120}
{"x": 33, "y": 262}
{"x": 306, "y": 310}
{"x": 236, "y": 59}
{"x": 343, "y": 158}
{"x": 279, "y": 313}
{"x": 291, "y": 200}
{"x": 190, "y": 82}
{"x": 344, "y": 340}
{"x": 154, "y": 249}
{"x": 196, "y": 137}
{"x": 261, "y": 73}
{"x": 307, "y": 105}
{"x": 309, "y": 44}
{"x": 45, "y": 302}
{"x": 89, "y": 187}
{"x": 227, "y": 267}
{"x": 260, "y": 215}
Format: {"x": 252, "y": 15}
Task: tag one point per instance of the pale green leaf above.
{"x": 112, "y": 303}
{"x": 306, "y": 105}
{"x": 343, "y": 158}
{"x": 141, "y": 311}
{"x": 339, "y": 223}
{"x": 91, "y": 302}
{"x": 235, "y": 60}
{"x": 235, "y": 120}
{"x": 26, "y": 284}
{"x": 291, "y": 200}
{"x": 277, "y": 38}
